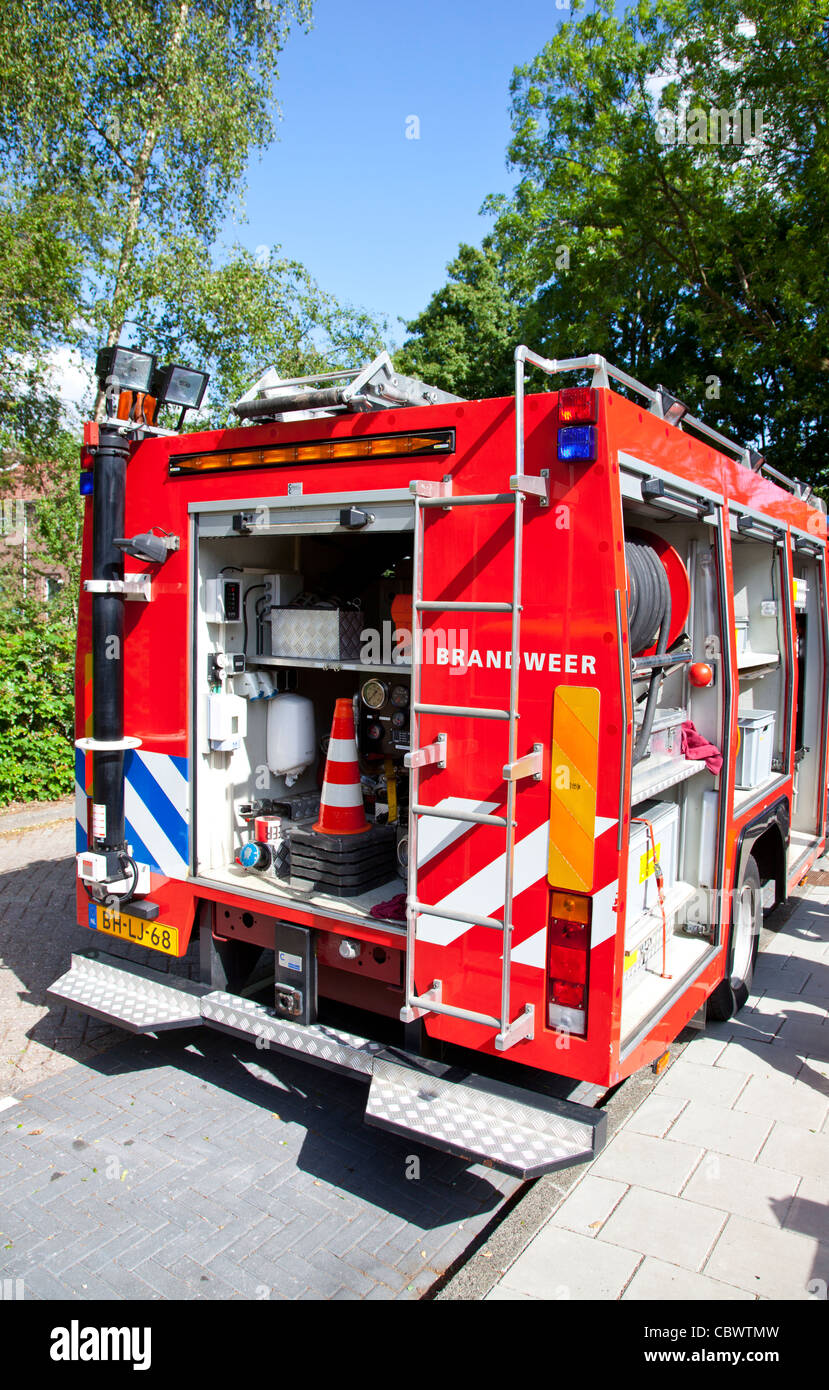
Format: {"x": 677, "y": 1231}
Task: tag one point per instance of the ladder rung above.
{"x": 435, "y": 1008}
{"x": 474, "y": 817}
{"x": 489, "y": 499}
{"x": 471, "y": 921}
{"x": 451, "y": 606}
{"x": 462, "y": 711}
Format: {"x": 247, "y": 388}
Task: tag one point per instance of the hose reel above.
{"x": 658, "y": 606}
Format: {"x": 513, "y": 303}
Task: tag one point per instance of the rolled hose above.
{"x": 649, "y": 611}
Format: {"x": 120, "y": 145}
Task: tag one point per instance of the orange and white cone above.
{"x": 341, "y": 802}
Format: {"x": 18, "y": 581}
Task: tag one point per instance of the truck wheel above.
{"x": 747, "y": 919}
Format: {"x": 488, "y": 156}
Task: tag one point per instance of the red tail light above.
{"x": 568, "y": 961}
{"x": 578, "y": 405}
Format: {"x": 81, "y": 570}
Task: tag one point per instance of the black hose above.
{"x": 328, "y": 397}
{"x": 649, "y": 609}
{"x": 247, "y": 594}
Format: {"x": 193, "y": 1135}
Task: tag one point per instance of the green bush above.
{"x": 36, "y": 713}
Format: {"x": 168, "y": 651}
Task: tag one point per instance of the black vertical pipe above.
{"x": 109, "y": 477}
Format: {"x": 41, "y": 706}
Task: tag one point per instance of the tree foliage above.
{"x": 697, "y": 263}
{"x": 36, "y": 713}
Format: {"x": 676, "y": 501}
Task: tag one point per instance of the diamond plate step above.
{"x": 128, "y": 995}
{"x": 328, "y": 1047}
{"x": 481, "y": 1120}
{"x": 484, "y": 1121}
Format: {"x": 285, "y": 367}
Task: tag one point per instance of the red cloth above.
{"x": 393, "y": 911}
{"x": 694, "y": 745}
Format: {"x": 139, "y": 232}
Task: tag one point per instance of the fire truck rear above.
{"x": 473, "y": 738}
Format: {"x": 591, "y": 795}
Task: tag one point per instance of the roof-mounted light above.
{"x": 182, "y": 386}
{"x": 578, "y": 405}
{"x": 577, "y": 444}
{"x": 673, "y": 410}
{"x": 124, "y": 369}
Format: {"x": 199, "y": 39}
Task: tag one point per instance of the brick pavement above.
{"x": 37, "y": 935}
{"x": 201, "y": 1168}
{"x": 193, "y": 1166}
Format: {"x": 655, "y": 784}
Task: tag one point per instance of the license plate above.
{"x": 129, "y": 928}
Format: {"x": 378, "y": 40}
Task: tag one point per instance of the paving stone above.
{"x": 563, "y": 1265}
{"x": 656, "y": 1114}
{"x": 808, "y": 1214}
{"x": 772, "y": 1263}
{"x": 660, "y": 1164}
{"x": 669, "y": 1228}
{"x": 796, "y": 1150}
{"x": 589, "y": 1204}
{"x": 726, "y": 1131}
{"x": 688, "y": 1080}
{"x": 659, "y": 1281}
{"x": 759, "y": 1059}
{"x": 746, "y": 1189}
{"x": 794, "y": 1102}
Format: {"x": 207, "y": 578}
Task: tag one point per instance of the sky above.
{"x": 373, "y": 215}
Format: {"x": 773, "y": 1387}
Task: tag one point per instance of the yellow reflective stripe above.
{"x": 574, "y": 775}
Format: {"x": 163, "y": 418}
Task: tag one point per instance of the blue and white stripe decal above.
{"x": 156, "y": 810}
{"x": 81, "y": 838}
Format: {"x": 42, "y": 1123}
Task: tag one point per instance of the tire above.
{"x": 747, "y": 919}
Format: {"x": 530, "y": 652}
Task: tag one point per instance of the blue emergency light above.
{"x": 577, "y": 444}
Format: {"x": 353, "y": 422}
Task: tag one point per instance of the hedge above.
{"x": 36, "y": 713}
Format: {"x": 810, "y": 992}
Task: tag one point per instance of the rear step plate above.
{"x": 328, "y": 1047}
{"x": 481, "y": 1120}
{"x": 484, "y": 1121}
{"x": 128, "y": 995}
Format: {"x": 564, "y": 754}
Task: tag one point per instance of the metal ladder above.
{"x": 428, "y": 495}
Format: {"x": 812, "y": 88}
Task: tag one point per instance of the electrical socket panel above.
{"x": 282, "y": 588}
{"x": 223, "y": 600}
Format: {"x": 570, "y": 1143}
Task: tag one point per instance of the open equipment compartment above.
{"x": 671, "y": 932}
{"x": 308, "y": 621}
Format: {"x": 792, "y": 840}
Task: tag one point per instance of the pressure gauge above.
{"x": 399, "y": 695}
{"x": 374, "y": 694}
{"x": 399, "y": 719}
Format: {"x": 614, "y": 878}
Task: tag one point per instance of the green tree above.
{"x": 463, "y": 340}
{"x": 149, "y": 109}
{"x": 698, "y": 263}
{"x": 192, "y": 311}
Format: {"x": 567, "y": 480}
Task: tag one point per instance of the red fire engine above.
{"x": 472, "y": 737}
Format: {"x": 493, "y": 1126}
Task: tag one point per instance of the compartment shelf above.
{"x": 389, "y": 669}
{"x": 656, "y": 777}
{"x": 753, "y": 664}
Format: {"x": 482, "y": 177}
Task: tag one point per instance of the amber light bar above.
{"x": 422, "y": 443}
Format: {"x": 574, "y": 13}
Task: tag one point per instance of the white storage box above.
{"x": 641, "y": 894}
{"x": 756, "y": 746}
{"x": 741, "y": 629}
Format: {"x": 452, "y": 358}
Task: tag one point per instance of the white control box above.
{"x": 227, "y": 722}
